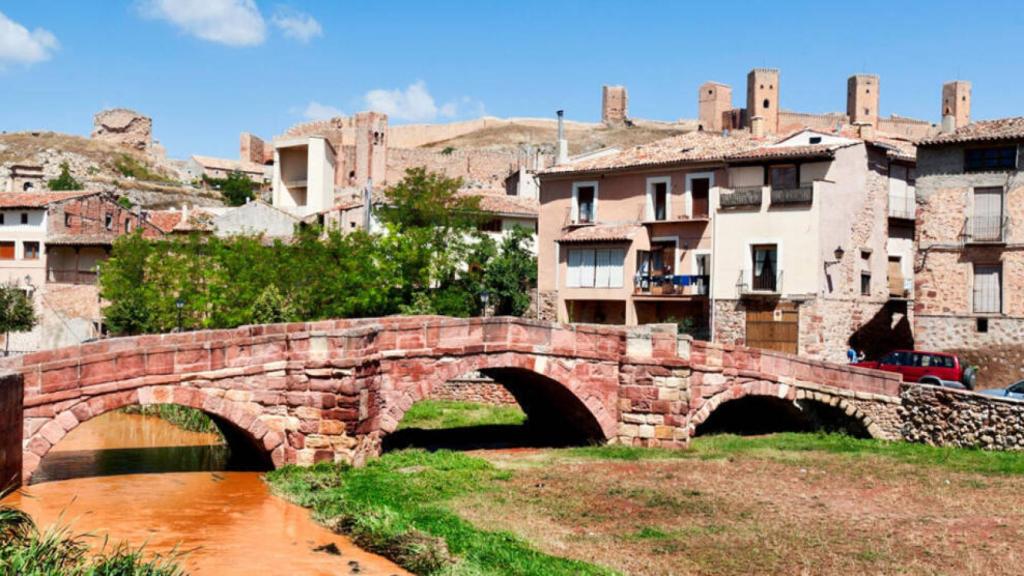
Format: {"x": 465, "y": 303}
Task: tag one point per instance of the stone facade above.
{"x": 614, "y": 104}
{"x": 477, "y": 388}
{"x": 11, "y": 395}
{"x": 945, "y": 417}
{"x": 303, "y": 393}
{"x": 124, "y": 127}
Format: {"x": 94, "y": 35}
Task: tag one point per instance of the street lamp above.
{"x": 179, "y": 304}
{"x": 485, "y": 298}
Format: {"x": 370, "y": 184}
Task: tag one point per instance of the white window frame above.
{"x": 615, "y": 282}
{"x": 651, "y": 181}
{"x": 1002, "y": 287}
{"x": 575, "y": 214}
{"x": 749, "y": 258}
{"x": 688, "y": 195}
{"x": 693, "y": 261}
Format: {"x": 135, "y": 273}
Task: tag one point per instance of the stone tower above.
{"x": 763, "y": 97}
{"x": 862, "y": 99}
{"x": 713, "y": 100}
{"x": 371, "y": 135}
{"x": 956, "y": 102}
{"x": 614, "y": 104}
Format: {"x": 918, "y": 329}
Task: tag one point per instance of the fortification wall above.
{"x": 486, "y": 168}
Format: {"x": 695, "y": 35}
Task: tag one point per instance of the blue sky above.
{"x": 206, "y": 70}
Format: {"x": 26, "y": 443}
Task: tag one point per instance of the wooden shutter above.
{"x": 6, "y": 250}
{"x": 987, "y": 288}
{"x": 601, "y": 279}
{"x": 895, "y": 276}
{"x": 587, "y": 268}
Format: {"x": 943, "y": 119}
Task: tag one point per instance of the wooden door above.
{"x": 895, "y": 276}
{"x": 773, "y": 326}
{"x": 6, "y": 250}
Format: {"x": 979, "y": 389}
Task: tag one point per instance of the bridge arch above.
{"x": 754, "y": 400}
{"x": 242, "y": 429}
{"x": 576, "y": 396}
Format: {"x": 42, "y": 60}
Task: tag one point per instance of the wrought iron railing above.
{"x": 902, "y": 206}
{"x": 790, "y": 196}
{"x": 672, "y": 285}
{"x": 981, "y": 229}
{"x": 764, "y": 283}
{"x": 748, "y": 197}
{"x": 71, "y": 276}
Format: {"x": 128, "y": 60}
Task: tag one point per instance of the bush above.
{"x": 65, "y": 181}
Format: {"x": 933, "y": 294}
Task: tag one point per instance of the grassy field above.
{"x": 779, "y": 504}
{"x": 444, "y": 414}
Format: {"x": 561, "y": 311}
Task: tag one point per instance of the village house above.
{"x": 200, "y": 167}
{"x": 970, "y": 199}
{"x": 801, "y": 243}
{"x": 51, "y": 245}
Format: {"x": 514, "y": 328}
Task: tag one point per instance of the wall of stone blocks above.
{"x": 944, "y": 417}
{"x": 480, "y": 390}
{"x": 998, "y": 353}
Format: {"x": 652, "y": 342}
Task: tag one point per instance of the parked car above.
{"x": 1014, "y": 391}
{"x": 936, "y": 368}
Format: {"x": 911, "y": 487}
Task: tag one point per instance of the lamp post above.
{"x": 179, "y": 304}
{"x": 485, "y": 298}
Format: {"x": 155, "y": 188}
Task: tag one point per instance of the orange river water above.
{"x": 226, "y": 522}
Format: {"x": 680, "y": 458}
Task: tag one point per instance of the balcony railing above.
{"x": 902, "y": 206}
{"x": 792, "y": 196}
{"x": 672, "y": 285}
{"x": 765, "y": 283}
{"x": 71, "y": 276}
{"x": 985, "y": 229}
{"x": 748, "y": 197}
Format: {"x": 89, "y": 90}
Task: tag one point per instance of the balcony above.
{"x": 746, "y": 197}
{"x": 71, "y": 276}
{"x": 671, "y": 285}
{"x": 902, "y": 207}
{"x": 764, "y": 284}
{"x": 985, "y": 229}
{"x": 802, "y": 195}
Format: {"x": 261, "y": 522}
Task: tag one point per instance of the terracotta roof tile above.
{"x": 164, "y": 220}
{"x": 229, "y": 165}
{"x": 602, "y": 233}
{"x": 808, "y": 151}
{"x": 497, "y": 202}
{"x": 40, "y": 199}
{"x": 690, "y": 147}
{"x": 981, "y": 131}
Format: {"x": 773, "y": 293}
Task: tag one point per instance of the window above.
{"x": 491, "y": 225}
{"x": 1, "y": 218}
{"x": 783, "y": 177}
{"x": 766, "y": 259}
{"x": 27, "y": 186}
{"x": 108, "y": 221}
{"x": 987, "y": 224}
{"x": 595, "y": 268}
{"x": 700, "y": 190}
{"x": 31, "y": 250}
{"x": 990, "y": 159}
{"x": 6, "y": 250}
{"x": 896, "y": 359}
{"x": 658, "y": 198}
{"x": 982, "y": 325}
{"x": 67, "y": 219}
{"x": 988, "y": 288}
{"x": 24, "y": 217}
{"x": 865, "y": 284}
{"x": 585, "y": 203}
{"x": 814, "y": 140}
{"x": 127, "y": 224}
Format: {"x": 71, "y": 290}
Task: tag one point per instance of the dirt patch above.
{"x": 815, "y": 513}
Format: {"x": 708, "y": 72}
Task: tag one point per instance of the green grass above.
{"x": 444, "y": 414}
{"x": 131, "y": 167}
{"x": 27, "y": 551}
{"x": 397, "y": 506}
{"x": 727, "y": 445}
{"x": 183, "y": 417}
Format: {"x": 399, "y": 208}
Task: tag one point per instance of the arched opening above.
{"x": 131, "y": 440}
{"x": 753, "y": 414}
{"x": 497, "y": 408}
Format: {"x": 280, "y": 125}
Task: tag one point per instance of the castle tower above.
{"x": 371, "y": 135}
{"x": 614, "y": 104}
{"x": 763, "y": 97}
{"x": 713, "y": 101}
{"x": 253, "y": 149}
{"x": 862, "y": 99}
{"x": 956, "y": 102}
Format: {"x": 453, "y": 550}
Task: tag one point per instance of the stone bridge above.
{"x": 306, "y": 392}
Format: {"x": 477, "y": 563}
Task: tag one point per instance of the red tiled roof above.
{"x": 689, "y": 147}
{"x": 766, "y": 152}
{"x": 164, "y": 220}
{"x": 40, "y": 199}
{"x": 229, "y": 165}
{"x": 895, "y": 147}
{"x": 981, "y": 131}
{"x": 602, "y": 233}
{"x": 497, "y": 202}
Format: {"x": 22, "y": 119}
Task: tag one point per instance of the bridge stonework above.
{"x": 308, "y": 392}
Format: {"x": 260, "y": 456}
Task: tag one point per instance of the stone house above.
{"x": 970, "y": 200}
{"x": 813, "y": 248}
{"x": 220, "y": 168}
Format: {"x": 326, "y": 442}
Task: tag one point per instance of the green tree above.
{"x": 65, "y": 181}
{"x": 16, "y": 313}
{"x": 237, "y": 188}
{"x": 124, "y": 284}
{"x": 512, "y": 275}
{"x": 271, "y": 307}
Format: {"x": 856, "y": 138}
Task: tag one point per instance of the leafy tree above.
{"x": 125, "y": 202}
{"x": 65, "y": 181}
{"x": 123, "y": 283}
{"x": 16, "y": 313}
{"x": 512, "y": 275}
{"x": 271, "y": 307}
{"x": 237, "y": 188}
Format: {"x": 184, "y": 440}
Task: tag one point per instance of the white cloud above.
{"x": 230, "y": 22}
{"x": 18, "y": 45}
{"x": 416, "y": 104}
{"x": 297, "y": 25}
{"x": 317, "y": 111}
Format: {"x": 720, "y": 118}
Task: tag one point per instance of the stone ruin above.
{"x": 124, "y": 127}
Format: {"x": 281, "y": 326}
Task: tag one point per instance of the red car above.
{"x": 925, "y": 367}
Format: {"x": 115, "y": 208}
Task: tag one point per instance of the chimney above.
{"x": 948, "y": 124}
{"x": 757, "y": 126}
{"x": 563, "y": 145}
